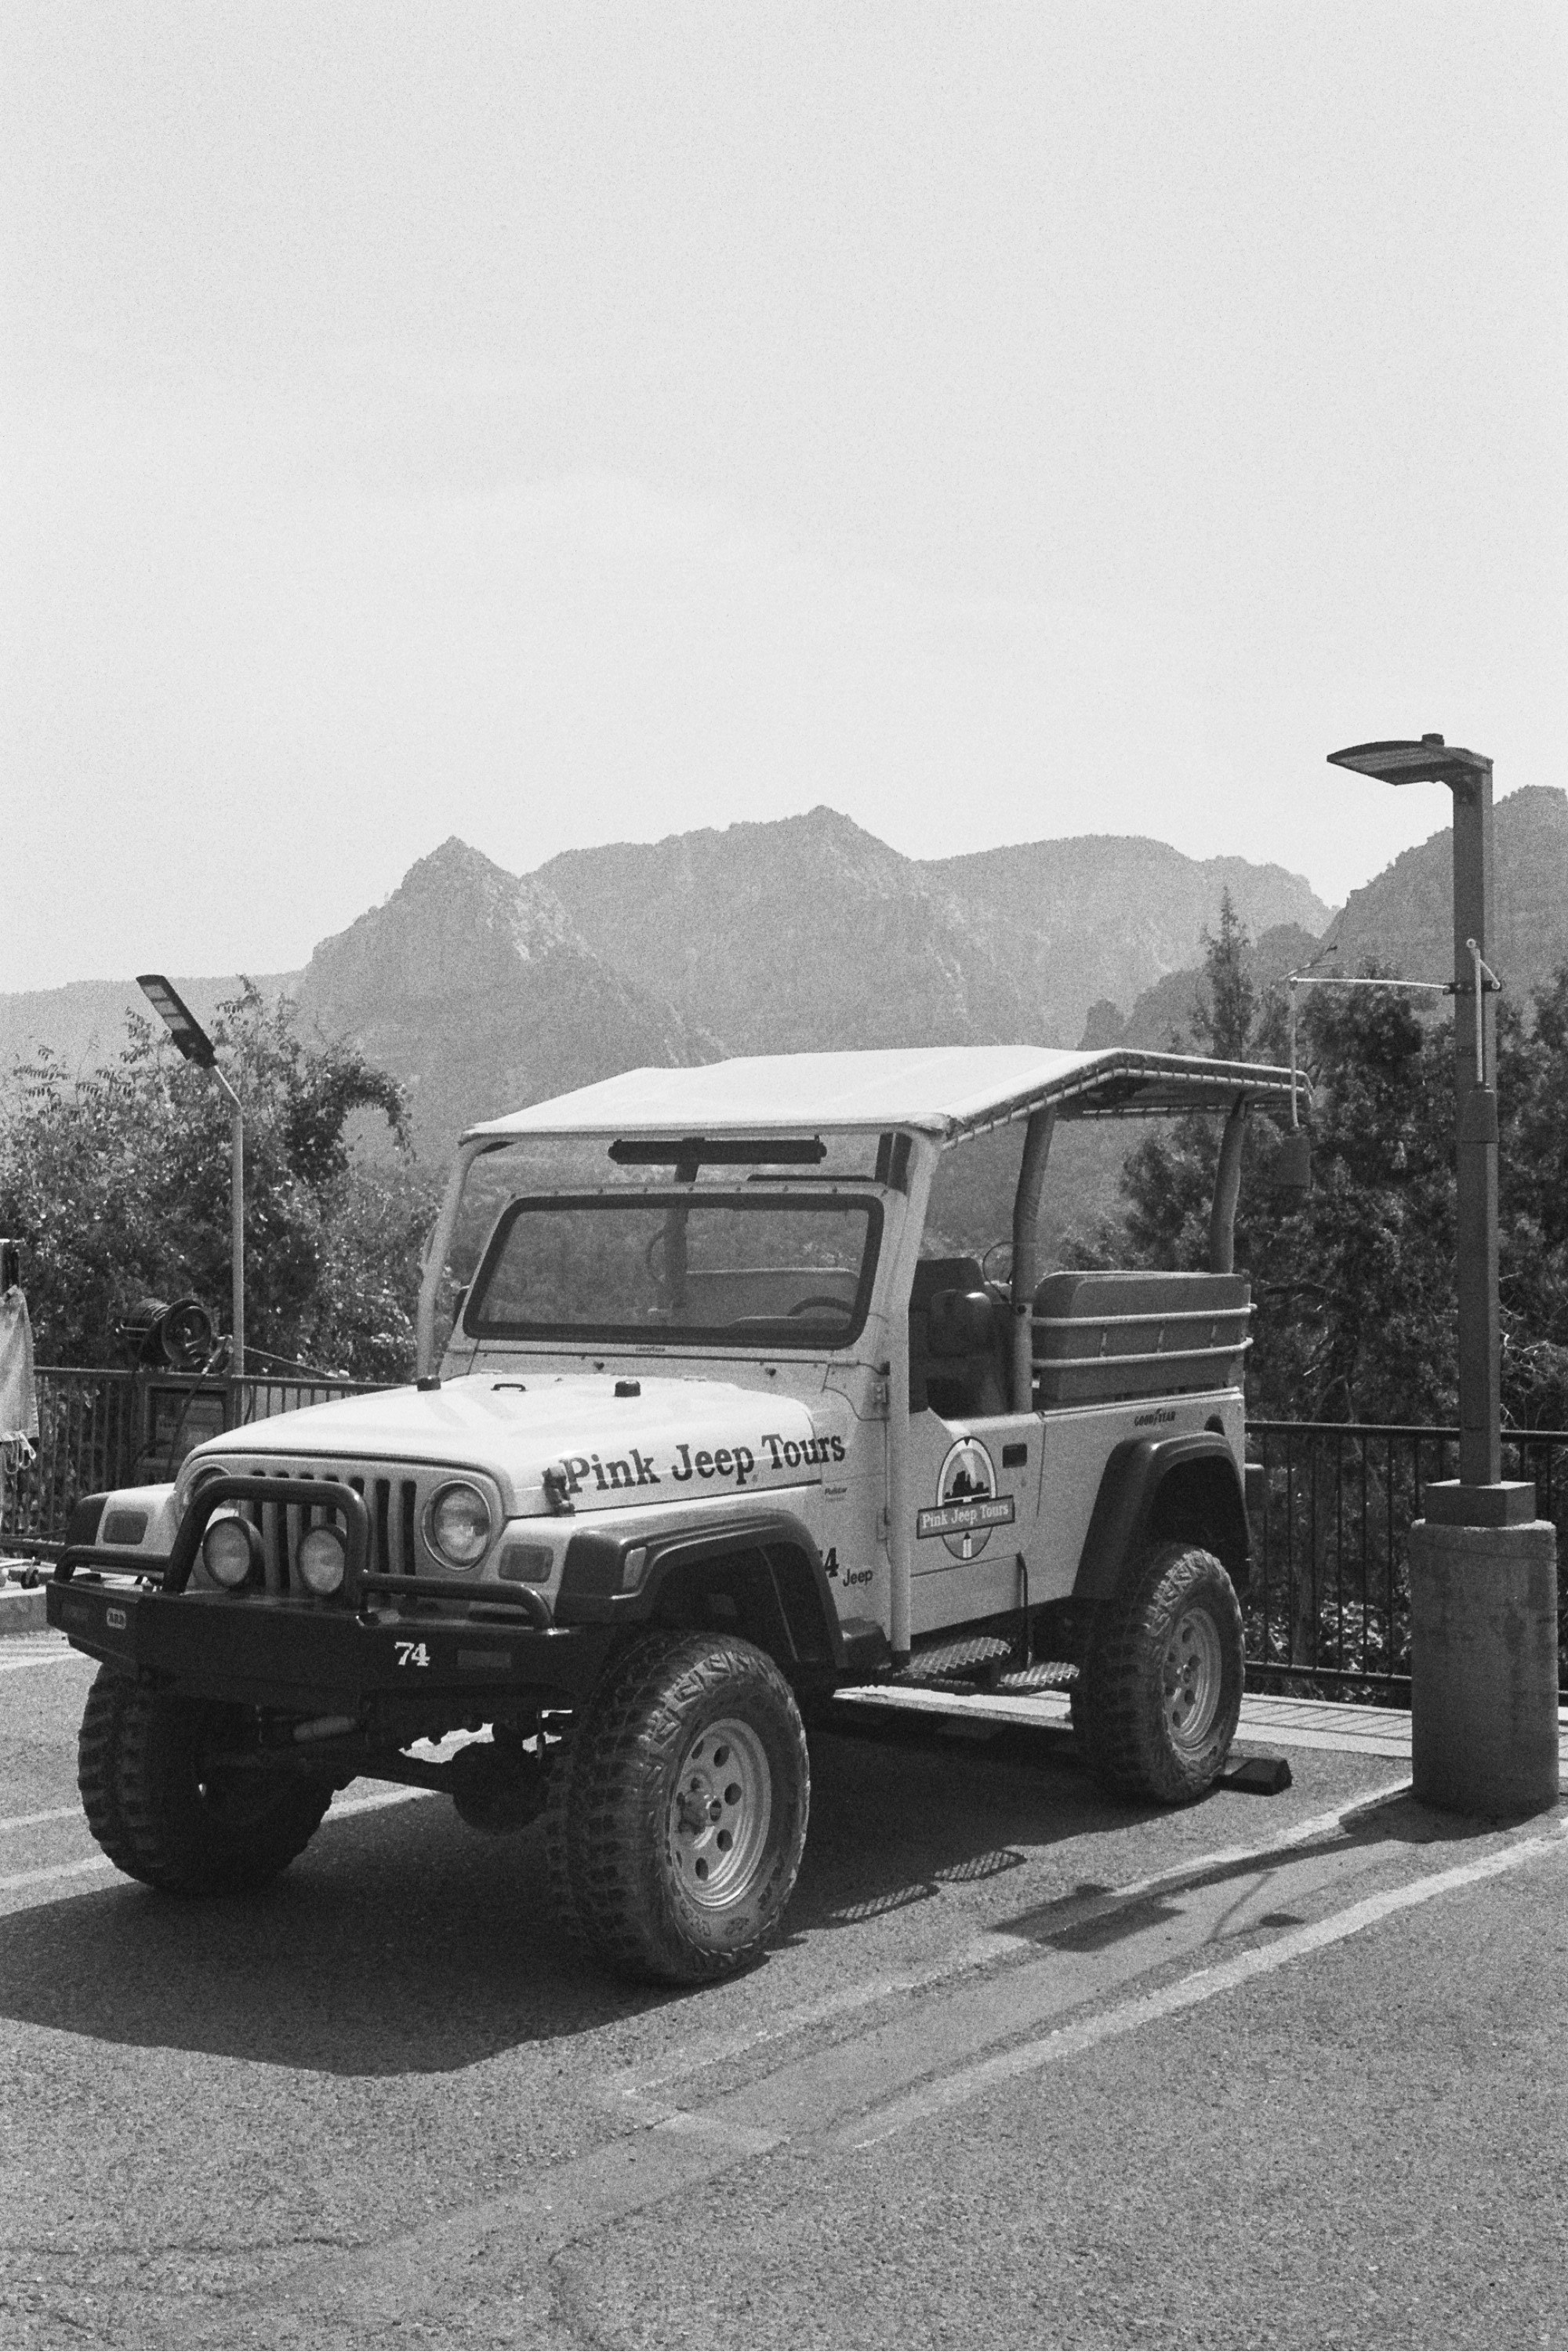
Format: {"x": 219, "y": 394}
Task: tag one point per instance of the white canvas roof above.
{"x": 944, "y": 1090}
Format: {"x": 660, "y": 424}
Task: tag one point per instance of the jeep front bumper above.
{"x": 302, "y": 1659}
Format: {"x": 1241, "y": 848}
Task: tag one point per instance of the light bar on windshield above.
{"x": 687, "y": 1153}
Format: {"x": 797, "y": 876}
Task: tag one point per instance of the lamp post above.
{"x": 196, "y": 1046}
{"x": 1483, "y": 1569}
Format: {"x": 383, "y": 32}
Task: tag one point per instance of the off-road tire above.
{"x": 628, "y": 1785}
{"x": 161, "y": 1819}
{"x": 1156, "y": 1701}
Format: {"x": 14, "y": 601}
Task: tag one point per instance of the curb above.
{"x": 22, "y": 1612}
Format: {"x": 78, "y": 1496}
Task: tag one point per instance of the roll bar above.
{"x": 1025, "y": 1230}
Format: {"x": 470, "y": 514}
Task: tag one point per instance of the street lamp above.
{"x": 194, "y": 1042}
{"x": 1483, "y": 1569}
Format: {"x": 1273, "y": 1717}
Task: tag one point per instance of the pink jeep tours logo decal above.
{"x": 967, "y": 1505}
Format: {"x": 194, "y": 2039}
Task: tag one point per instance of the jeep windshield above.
{"x": 754, "y": 1269}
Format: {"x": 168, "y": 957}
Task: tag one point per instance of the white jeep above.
{"x": 712, "y": 1439}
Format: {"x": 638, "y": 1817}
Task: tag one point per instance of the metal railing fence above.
{"x": 1330, "y": 1600}
{"x": 107, "y": 1428}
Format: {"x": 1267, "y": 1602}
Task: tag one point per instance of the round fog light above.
{"x": 322, "y": 1560}
{"x": 460, "y": 1525}
{"x": 230, "y": 1550}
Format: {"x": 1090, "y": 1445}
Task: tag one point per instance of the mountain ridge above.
{"x": 483, "y": 990}
{"x": 786, "y": 934}
{"x": 84, "y": 1021}
{"x": 1404, "y": 916}
{"x": 473, "y": 987}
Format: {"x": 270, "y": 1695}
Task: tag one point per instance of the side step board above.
{"x": 974, "y": 1657}
{"x": 1037, "y": 1710}
{"x": 981, "y": 1658}
{"x": 1053, "y": 1674}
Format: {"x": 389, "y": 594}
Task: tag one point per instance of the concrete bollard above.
{"x": 1483, "y": 1644}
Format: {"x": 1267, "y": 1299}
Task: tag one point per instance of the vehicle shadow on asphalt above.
{"x": 901, "y": 1808}
{"x": 403, "y": 1943}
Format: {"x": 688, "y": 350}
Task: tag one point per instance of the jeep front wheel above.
{"x": 165, "y": 1814}
{"x": 677, "y": 1809}
{"x": 1156, "y": 1703}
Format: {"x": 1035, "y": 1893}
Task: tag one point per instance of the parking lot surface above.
{"x": 1029, "y": 2067}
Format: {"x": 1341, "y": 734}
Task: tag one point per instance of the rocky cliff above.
{"x": 1105, "y": 917}
{"x": 810, "y": 932}
{"x": 477, "y": 990}
{"x": 1403, "y": 917}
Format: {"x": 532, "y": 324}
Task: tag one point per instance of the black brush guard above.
{"x": 388, "y": 1649}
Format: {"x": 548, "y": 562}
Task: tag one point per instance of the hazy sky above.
{"x": 554, "y": 424}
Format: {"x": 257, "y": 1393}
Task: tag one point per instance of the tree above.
{"x": 1353, "y": 1287}
{"x": 1533, "y": 1088}
{"x": 118, "y": 1185}
{"x": 1227, "y": 1010}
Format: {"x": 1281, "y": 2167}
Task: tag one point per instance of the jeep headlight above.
{"x": 323, "y": 1558}
{"x": 231, "y": 1552}
{"x": 458, "y": 1525}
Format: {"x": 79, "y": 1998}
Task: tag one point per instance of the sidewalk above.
{"x": 1264, "y": 1722}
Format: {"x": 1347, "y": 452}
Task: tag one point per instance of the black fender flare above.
{"x": 594, "y": 1588}
{"x": 1165, "y": 1485}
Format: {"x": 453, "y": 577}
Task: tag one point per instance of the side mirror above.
{"x": 960, "y": 1323}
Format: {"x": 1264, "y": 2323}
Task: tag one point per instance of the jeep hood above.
{"x": 672, "y": 1440}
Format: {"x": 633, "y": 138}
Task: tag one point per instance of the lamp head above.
{"x": 1429, "y": 761}
{"x": 184, "y": 1027}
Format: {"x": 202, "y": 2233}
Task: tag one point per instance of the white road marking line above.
{"x": 395, "y": 1796}
{"x": 377, "y": 2286}
{"x": 47, "y": 1873}
{"x": 340, "y": 1806}
{"x": 980, "y": 1951}
{"x": 1317, "y": 1825}
{"x": 44, "y": 1658}
{"x": 666, "y": 2152}
{"x": 1066, "y": 2040}
{"x": 55, "y": 1870}
{"x": 1078, "y": 1966}
{"x": 715, "y": 2050}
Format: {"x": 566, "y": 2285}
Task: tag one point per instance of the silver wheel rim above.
{"x": 718, "y": 1814}
{"x": 1192, "y": 1675}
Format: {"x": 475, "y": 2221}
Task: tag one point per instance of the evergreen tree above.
{"x": 1354, "y": 1286}
{"x": 1226, "y": 1012}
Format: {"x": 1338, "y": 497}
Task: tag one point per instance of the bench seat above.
{"x": 1102, "y": 1337}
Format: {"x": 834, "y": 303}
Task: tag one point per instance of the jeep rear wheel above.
{"x": 1156, "y": 1704}
{"x": 164, "y": 1814}
{"x": 678, "y": 1809}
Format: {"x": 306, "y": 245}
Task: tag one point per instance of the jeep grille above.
{"x": 395, "y": 1502}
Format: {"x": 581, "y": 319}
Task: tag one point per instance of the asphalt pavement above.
{"x": 1028, "y": 2068}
